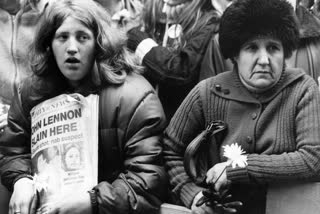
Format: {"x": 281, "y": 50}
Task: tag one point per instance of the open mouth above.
{"x": 72, "y": 60}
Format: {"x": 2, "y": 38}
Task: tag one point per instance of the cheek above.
{"x": 90, "y": 52}
{"x": 57, "y": 52}
{"x": 245, "y": 65}
{"x": 278, "y": 64}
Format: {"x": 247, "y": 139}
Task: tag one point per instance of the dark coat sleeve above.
{"x": 15, "y": 159}
{"x": 179, "y": 67}
{"x": 142, "y": 184}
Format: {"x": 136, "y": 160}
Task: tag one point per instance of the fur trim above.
{"x": 246, "y": 19}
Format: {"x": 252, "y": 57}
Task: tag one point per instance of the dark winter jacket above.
{"x": 130, "y": 172}
{"x": 177, "y": 72}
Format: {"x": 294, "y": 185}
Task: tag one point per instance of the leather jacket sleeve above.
{"x": 142, "y": 183}
{"x": 181, "y": 66}
{"x": 15, "y": 160}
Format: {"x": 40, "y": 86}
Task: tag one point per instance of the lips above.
{"x": 261, "y": 72}
{"x": 72, "y": 60}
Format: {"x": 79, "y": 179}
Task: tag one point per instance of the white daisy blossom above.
{"x": 235, "y": 155}
{"x": 40, "y": 183}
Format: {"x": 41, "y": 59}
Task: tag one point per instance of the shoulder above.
{"x": 224, "y": 77}
{"x": 135, "y": 88}
{"x": 132, "y": 91}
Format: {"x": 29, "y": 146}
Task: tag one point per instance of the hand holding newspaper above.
{"x": 64, "y": 146}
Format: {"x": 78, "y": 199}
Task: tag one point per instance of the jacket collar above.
{"x": 228, "y": 85}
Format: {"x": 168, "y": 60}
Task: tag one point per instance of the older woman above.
{"x": 77, "y": 50}
{"x": 272, "y": 111}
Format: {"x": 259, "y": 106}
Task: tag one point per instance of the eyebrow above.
{"x": 78, "y": 31}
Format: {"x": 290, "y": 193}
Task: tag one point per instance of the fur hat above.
{"x": 247, "y": 19}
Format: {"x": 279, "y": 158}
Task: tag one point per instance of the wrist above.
{"x": 25, "y": 179}
{"x": 144, "y": 47}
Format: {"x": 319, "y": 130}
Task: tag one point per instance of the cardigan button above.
{"x": 254, "y": 116}
{"x": 218, "y": 87}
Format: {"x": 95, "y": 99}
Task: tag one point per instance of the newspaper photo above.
{"x": 64, "y": 146}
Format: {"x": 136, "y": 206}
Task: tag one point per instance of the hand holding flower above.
{"x": 217, "y": 175}
{"x": 216, "y": 196}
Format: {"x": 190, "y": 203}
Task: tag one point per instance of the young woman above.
{"x": 272, "y": 112}
{"x": 77, "y": 50}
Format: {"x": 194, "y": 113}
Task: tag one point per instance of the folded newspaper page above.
{"x": 64, "y": 146}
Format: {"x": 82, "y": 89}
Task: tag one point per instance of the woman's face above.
{"x": 172, "y": 10}
{"x": 260, "y": 63}
{"x": 73, "y": 47}
{"x": 73, "y": 158}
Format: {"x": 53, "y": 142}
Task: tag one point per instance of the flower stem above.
{"x": 220, "y": 174}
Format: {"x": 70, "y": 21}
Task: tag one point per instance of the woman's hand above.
{"x": 203, "y": 209}
{"x": 23, "y": 199}
{"x": 75, "y": 203}
{"x": 217, "y": 175}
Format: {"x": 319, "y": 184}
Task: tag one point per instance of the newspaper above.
{"x": 4, "y": 108}
{"x": 64, "y": 146}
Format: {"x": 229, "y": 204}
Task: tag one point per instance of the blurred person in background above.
{"x": 172, "y": 46}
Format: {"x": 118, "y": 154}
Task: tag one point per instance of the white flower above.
{"x": 40, "y": 183}
{"x": 235, "y": 156}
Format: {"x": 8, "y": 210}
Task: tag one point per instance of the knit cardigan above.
{"x": 279, "y": 130}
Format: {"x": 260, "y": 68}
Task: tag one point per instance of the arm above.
{"x": 175, "y": 66}
{"x": 15, "y": 160}
{"x": 300, "y": 164}
{"x": 186, "y": 124}
{"x": 142, "y": 183}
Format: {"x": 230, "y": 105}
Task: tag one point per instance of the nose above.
{"x": 263, "y": 57}
{"x": 72, "y": 47}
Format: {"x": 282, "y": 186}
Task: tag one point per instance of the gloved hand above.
{"x": 220, "y": 202}
{"x": 135, "y": 36}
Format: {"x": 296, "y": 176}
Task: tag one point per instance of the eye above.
{"x": 273, "y": 47}
{"x": 61, "y": 36}
{"x": 251, "y": 47}
{"x": 83, "y": 37}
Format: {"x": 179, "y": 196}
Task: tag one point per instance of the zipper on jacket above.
{"x": 13, "y": 53}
